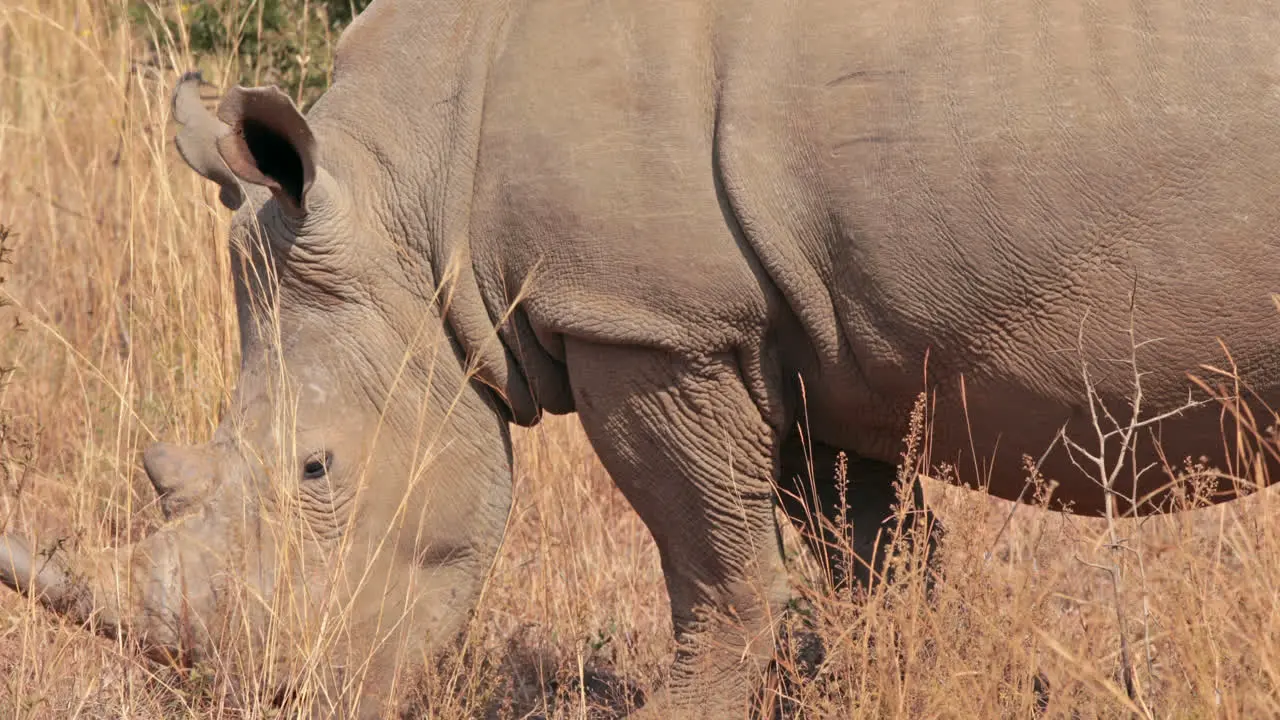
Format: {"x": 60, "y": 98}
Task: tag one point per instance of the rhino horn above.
{"x": 47, "y": 578}
{"x": 134, "y": 591}
{"x": 197, "y": 140}
{"x": 180, "y": 475}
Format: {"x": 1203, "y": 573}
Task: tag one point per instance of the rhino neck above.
{"x": 408, "y": 92}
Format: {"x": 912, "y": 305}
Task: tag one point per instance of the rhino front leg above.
{"x": 693, "y": 454}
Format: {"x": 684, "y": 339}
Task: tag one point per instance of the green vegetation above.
{"x": 285, "y": 42}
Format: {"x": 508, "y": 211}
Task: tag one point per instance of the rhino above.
{"x": 739, "y": 240}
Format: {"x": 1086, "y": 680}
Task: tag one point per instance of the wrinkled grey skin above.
{"x": 698, "y": 205}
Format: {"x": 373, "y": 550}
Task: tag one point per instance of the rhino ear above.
{"x": 198, "y": 137}
{"x": 269, "y": 144}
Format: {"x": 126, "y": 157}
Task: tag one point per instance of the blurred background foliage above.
{"x": 288, "y": 43}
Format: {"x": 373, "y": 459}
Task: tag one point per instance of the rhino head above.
{"x": 358, "y": 479}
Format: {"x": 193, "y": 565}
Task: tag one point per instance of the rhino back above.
{"x": 984, "y": 182}
{"x": 980, "y": 184}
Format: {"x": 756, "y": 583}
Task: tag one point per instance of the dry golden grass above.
{"x": 121, "y": 330}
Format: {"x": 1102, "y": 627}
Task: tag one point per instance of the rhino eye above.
{"x": 317, "y": 466}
